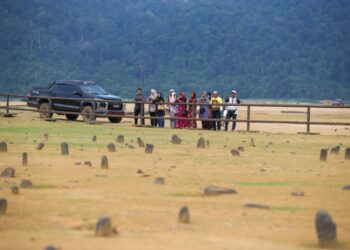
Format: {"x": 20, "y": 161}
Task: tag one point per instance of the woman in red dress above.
{"x": 182, "y": 111}
{"x": 192, "y": 108}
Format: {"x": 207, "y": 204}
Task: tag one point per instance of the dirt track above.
{"x": 63, "y": 206}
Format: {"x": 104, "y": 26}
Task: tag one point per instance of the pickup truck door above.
{"x": 65, "y": 91}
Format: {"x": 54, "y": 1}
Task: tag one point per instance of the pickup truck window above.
{"x": 64, "y": 90}
{"x": 93, "y": 89}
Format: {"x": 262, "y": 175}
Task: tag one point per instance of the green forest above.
{"x": 262, "y": 48}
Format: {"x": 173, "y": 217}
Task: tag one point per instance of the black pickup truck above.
{"x": 89, "y": 97}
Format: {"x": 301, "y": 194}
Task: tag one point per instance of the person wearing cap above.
{"x": 216, "y": 110}
{"x": 231, "y": 109}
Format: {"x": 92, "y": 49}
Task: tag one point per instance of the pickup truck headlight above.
{"x": 101, "y": 105}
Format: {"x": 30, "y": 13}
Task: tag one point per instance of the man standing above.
{"x": 216, "y": 112}
{"x": 139, "y": 107}
{"x": 232, "y": 109}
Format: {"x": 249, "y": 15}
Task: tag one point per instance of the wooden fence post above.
{"x": 308, "y": 119}
{"x": 7, "y": 105}
{"x": 94, "y": 112}
{"x": 142, "y": 113}
{"x": 193, "y": 115}
{"x": 248, "y": 118}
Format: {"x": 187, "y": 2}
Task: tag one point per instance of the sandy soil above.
{"x": 63, "y": 206}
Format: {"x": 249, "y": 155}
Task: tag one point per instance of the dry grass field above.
{"x": 66, "y": 199}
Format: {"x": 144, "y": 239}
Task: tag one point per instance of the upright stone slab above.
{"x": 104, "y": 227}
{"x": 297, "y": 193}
{"x": 64, "y": 148}
{"x": 46, "y": 137}
{"x": 159, "y": 181}
{"x": 201, "y": 143}
{"x": 51, "y": 247}
{"x": 140, "y": 142}
{"x": 235, "y": 152}
{"x": 214, "y": 190}
{"x": 94, "y": 138}
{"x": 15, "y": 190}
{"x": 256, "y": 205}
{"x": 323, "y": 155}
{"x": 88, "y": 163}
{"x": 40, "y": 146}
{"x": 24, "y": 159}
{"x": 335, "y": 150}
{"x": 184, "y": 215}
{"x": 8, "y": 172}
{"x": 326, "y": 229}
{"x": 3, "y": 206}
{"x": 149, "y": 148}
{"x": 252, "y": 143}
{"x": 3, "y": 147}
{"x": 25, "y": 183}
{"x": 176, "y": 139}
{"x": 347, "y": 154}
{"x": 104, "y": 162}
{"x": 111, "y": 148}
{"x": 120, "y": 138}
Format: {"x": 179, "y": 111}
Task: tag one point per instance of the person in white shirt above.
{"x": 173, "y": 109}
{"x": 153, "y": 107}
{"x": 232, "y": 109}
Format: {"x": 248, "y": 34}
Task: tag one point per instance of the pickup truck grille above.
{"x": 115, "y": 106}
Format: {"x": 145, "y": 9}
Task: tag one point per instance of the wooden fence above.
{"x": 308, "y": 122}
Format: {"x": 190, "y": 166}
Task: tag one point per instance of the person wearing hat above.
{"x": 231, "y": 109}
{"x": 216, "y": 110}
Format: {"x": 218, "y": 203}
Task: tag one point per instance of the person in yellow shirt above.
{"x": 216, "y": 110}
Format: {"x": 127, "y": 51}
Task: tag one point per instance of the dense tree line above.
{"x": 263, "y": 48}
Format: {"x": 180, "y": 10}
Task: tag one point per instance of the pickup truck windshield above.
{"x": 93, "y": 89}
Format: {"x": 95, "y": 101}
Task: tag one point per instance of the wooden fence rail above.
{"x": 7, "y": 107}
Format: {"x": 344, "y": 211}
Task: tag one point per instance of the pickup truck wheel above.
{"x": 115, "y": 119}
{"x": 87, "y": 117}
{"x": 44, "y": 111}
{"x": 71, "y": 117}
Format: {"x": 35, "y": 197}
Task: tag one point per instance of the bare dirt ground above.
{"x": 66, "y": 199}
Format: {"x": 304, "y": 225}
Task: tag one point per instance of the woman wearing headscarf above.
{"x": 192, "y": 107}
{"x": 182, "y": 111}
{"x": 160, "y": 109}
{"x": 173, "y": 109}
{"x": 153, "y": 107}
{"x": 204, "y": 109}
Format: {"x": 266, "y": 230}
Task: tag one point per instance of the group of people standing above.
{"x": 182, "y": 112}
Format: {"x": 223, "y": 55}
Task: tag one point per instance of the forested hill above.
{"x": 262, "y": 48}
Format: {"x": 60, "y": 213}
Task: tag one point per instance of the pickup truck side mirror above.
{"x": 78, "y": 93}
